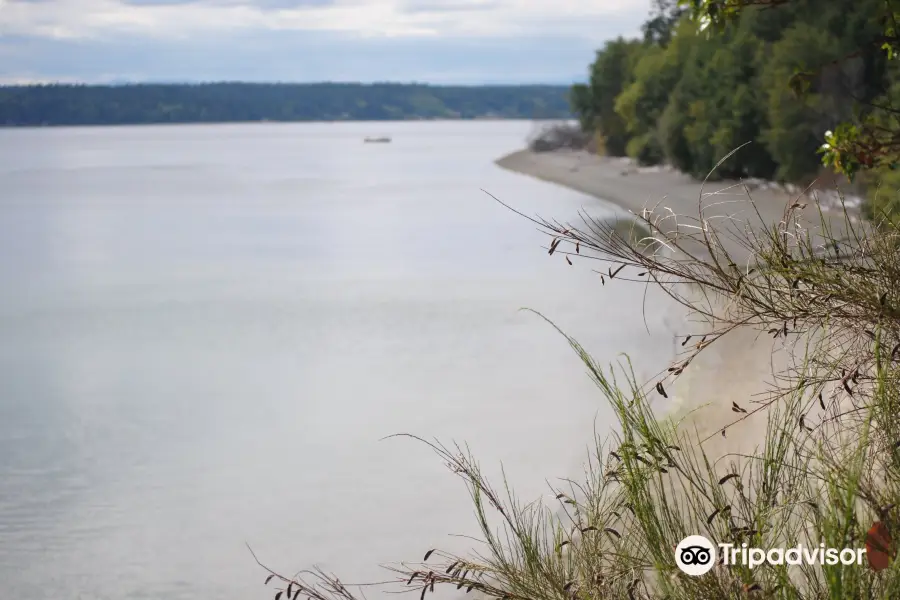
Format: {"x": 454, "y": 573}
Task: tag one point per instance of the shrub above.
{"x": 559, "y": 135}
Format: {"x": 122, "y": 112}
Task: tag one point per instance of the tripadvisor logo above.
{"x": 696, "y": 555}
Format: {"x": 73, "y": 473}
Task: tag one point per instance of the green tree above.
{"x": 710, "y": 104}
{"x": 664, "y": 17}
{"x": 838, "y": 58}
{"x": 594, "y": 103}
{"x": 656, "y": 74}
{"x": 797, "y": 123}
{"x": 224, "y": 102}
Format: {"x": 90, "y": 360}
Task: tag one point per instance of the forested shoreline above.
{"x": 774, "y": 81}
{"x": 63, "y": 104}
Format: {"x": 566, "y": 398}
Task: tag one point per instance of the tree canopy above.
{"x": 227, "y": 102}
{"x": 809, "y": 84}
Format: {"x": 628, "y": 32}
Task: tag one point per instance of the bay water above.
{"x": 207, "y": 331}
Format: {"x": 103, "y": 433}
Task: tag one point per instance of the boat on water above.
{"x": 377, "y": 140}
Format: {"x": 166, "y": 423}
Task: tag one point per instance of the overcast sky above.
{"x": 436, "y": 41}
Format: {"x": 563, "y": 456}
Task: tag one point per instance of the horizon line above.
{"x": 125, "y": 83}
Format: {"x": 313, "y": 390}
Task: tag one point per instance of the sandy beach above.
{"x": 737, "y": 367}
{"x": 618, "y": 180}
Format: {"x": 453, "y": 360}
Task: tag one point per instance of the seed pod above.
{"x": 727, "y": 478}
{"x": 712, "y": 516}
{"x": 847, "y": 387}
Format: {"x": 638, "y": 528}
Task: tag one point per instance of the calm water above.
{"x": 206, "y": 330}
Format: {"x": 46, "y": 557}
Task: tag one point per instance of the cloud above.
{"x": 452, "y": 41}
{"x": 261, "y": 4}
{"x": 173, "y": 18}
{"x": 438, "y": 6}
{"x": 286, "y": 56}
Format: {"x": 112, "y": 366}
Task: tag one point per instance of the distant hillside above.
{"x": 230, "y": 102}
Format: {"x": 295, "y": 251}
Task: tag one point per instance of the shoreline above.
{"x": 14, "y": 127}
{"x": 739, "y": 366}
{"x": 619, "y": 181}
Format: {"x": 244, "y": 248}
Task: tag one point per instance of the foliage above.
{"x": 659, "y": 28}
{"x": 594, "y": 102}
{"x": 711, "y": 75}
{"x": 227, "y": 102}
{"x": 556, "y": 136}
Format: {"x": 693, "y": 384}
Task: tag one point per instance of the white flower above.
{"x": 828, "y": 134}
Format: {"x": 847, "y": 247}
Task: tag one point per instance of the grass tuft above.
{"x": 827, "y": 469}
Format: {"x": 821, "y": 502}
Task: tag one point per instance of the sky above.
{"x": 433, "y": 41}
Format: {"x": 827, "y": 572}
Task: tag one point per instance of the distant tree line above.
{"x": 779, "y": 74}
{"x": 228, "y": 102}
